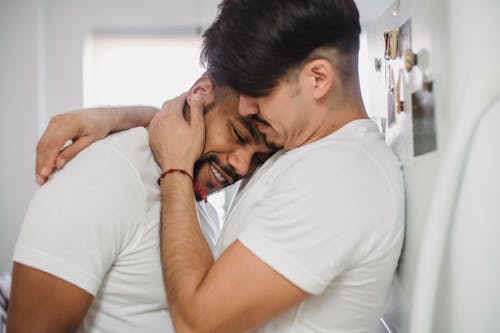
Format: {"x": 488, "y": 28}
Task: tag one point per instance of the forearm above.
{"x": 186, "y": 256}
{"x": 125, "y": 117}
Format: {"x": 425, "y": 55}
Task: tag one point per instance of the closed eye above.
{"x": 260, "y": 158}
{"x": 239, "y": 137}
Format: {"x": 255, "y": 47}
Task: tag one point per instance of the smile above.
{"x": 218, "y": 176}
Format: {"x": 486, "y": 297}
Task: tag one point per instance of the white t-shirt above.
{"x": 96, "y": 224}
{"x": 328, "y": 216}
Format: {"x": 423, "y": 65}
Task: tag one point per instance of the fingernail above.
{"x": 60, "y": 162}
{"x": 45, "y": 171}
{"x": 39, "y": 180}
{"x": 197, "y": 97}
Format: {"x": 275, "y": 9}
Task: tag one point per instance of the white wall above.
{"x": 19, "y": 107}
{"x": 457, "y": 41}
{"x": 459, "y": 271}
{"x": 70, "y": 22}
{"x": 430, "y": 39}
{"x": 41, "y": 60}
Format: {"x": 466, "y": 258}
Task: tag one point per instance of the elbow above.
{"x": 193, "y": 321}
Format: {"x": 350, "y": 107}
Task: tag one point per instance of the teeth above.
{"x": 218, "y": 176}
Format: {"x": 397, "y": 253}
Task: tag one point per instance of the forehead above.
{"x": 225, "y": 103}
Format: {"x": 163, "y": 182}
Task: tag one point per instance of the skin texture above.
{"x": 41, "y": 302}
{"x": 232, "y": 144}
{"x": 298, "y": 110}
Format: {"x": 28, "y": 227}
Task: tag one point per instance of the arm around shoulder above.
{"x": 83, "y": 127}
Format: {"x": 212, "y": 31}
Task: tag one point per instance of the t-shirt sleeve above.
{"x": 78, "y": 222}
{"x": 306, "y": 227}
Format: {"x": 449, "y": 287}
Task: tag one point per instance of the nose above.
{"x": 247, "y": 106}
{"x": 240, "y": 160}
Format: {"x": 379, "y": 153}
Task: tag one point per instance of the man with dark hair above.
{"x": 253, "y": 44}
{"x": 312, "y": 239}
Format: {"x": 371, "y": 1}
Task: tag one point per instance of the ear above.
{"x": 318, "y": 76}
{"x": 202, "y": 86}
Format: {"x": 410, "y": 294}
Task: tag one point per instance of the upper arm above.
{"x": 41, "y": 302}
{"x": 239, "y": 292}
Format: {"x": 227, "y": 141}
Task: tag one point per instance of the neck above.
{"x": 334, "y": 113}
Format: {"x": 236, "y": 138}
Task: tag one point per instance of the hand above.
{"x": 177, "y": 142}
{"x": 82, "y": 127}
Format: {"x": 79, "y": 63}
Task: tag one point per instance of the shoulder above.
{"x": 100, "y": 183}
{"x": 131, "y": 141}
{"x": 354, "y": 178}
{"x": 132, "y": 147}
{"x": 78, "y": 223}
{"x": 354, "y": 154}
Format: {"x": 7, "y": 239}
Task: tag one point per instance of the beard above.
{"x": 212, "y": 158}
{"x": 205, "y": 159}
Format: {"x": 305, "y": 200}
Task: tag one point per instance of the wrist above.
{"x": 198, "y": 190}
{"x": 169, "y": 163}
{"x": 115, "y": 120}
{"x": 174, "y": 171}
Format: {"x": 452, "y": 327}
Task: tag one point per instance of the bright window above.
{"x": 138, "y": 70}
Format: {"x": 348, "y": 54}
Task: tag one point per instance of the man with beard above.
{"x": 312, "y": 239}
{"x": 88, "y": 255}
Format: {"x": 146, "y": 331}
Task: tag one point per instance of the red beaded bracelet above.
{"x": 196, "y": 187}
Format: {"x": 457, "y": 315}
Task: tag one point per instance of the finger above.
{"x": 196, "y": 106}
{"x": 177, "y": 107}
{"x": 47, "y": 150}
{"x": 69, "y": 152}
{"x": 45, "y": 160}
{"x": 54, "y": 138}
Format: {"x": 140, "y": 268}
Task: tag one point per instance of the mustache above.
{"x": 271, "y": 145}
{"x": 260, "y": 120}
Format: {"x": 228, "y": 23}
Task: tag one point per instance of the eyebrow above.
{"x": 250, "y": 125}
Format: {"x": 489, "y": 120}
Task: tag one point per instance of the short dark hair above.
{"x": 253, "y": 43}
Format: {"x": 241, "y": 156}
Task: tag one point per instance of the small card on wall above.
{"x": 424, "y": 122}
{"x": 391, "y": 100}
{"x": 391, "y": 112}
{"x": 404, "y": 42}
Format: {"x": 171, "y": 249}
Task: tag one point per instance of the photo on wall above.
{"x": 391, "y": 112}
{"x": 404, "y": 42}
{"x": 391, "y": 99}
{"x": 424, "y": 122}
